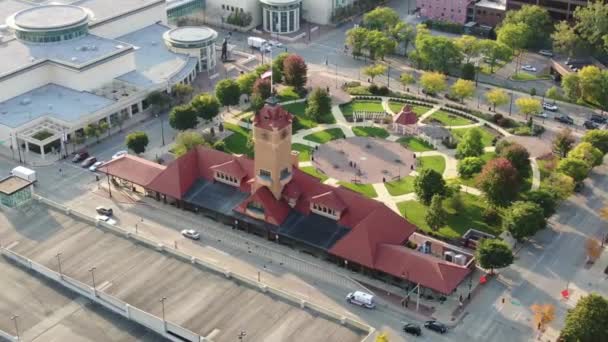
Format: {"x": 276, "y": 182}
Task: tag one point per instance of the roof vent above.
{"x": 119, "y": 46}
{"x": 74, "y": 59}
{"x": 25, "y": 101}
{"x": 32, "y": 58}
{"x": 82, "y": 48}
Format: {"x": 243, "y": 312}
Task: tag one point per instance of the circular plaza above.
{"x": 364, "y": 160}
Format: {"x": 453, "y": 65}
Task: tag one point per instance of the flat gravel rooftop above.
{"x": 200, "y": 300}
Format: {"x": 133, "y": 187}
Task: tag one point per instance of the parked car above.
{"x": 565, "y": 119}
{"x": 544, "y": 115}
{"x": 94, "y": 167}
{"x": 88, "y": 162}
{"x": 119, "y": 154}
{"x": 550, "y": 106}
{"x": 80, "y": 156}
{"x": 360, "y": 298}
{"x": 588, "y": 124}
{"x": 105, "y": 219}
{"x": 104, "y": 211}
{"x": 436, "y": 326}
{"x": 275, "y": 43}
{"x": 599, "y": 119}
{"x": 412, "y": 329}
{"x": 547, "y": 53}
{"x": 191, "y": 234}
{"x": 528, "y": 67}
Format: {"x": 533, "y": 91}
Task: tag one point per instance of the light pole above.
{"x": 388, "y": 74}
{"x": 241, "y": 335}
{"x": 162, "y": 128}
{"x": 58, "y": 255}
{"x": 92, "y": 271}
{"x": 511, "y": 104}
{"x": 14, "y": 319}
{"x": 162, "y": 302}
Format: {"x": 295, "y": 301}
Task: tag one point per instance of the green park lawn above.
{"x": 415, "y": 144}
{"x": 366, "y": 190}
{"x": 325, "y": 136}
{"x": 449, "y": 119}
{"x": 361, "y": 106}
{"x": 304, "y": 150}
{"x": 287, "y": 93}
{"x": 526, "y": 76}
{"x": 311, "y": 170}
{"x": 400, "y": 187}
{"x": 487, "y": 156}
{"x": 373, "y": 132}
{"x": 397, "y": 106}
{"x": 436, "y": 163}
{"x": 301, "y": 121}
{"x": 237, "y": 142}
{"x": 459, "y": 221}
{"x": 486, "y": 136}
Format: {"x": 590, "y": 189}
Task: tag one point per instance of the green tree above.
{"x": 374, "y": 70}
{"x": 470, "y": 145}
{"x": 403, "y": 33}
{"x": 546, "y": 199}
{"x": 493, "y": 253}
{"x": 257, "y": 102}
{"x": 494, "y": 51}
{"x": 378, "y": 44}
{"x": 575, "y": 168}
{"x": 228, "y": 92}
{"x": 553, "y": 93}
{"x": 537, "y": 20}
{"x": 524, "y": 219}
{"x": 468, "y": 72}
{"x": 469, "y": 46}
{"x": 436, "y": 217}
{"x": 597, "y": 138}
{"x": 519, "y": 158}
{"x": 381, "y": 18}
{"x": 567, "y": 41}
{"x": 462, "y": 89}
{"x": 183, "y": 117}
{"x": 528, "y": 106}
{"x": 588, "y": 153}
{"x": 497, "y": 97}
{"x": 182, "y": 92}
{"x": 563, "y": 142}
{"x": 427, "y": 184}
{"x": 433, "y": 82}
{"x": 318, "y": 104}
{"x": 137, "y": 141}
{"x": 356, "y": 38}
{"x": 559, "y": 184}
{"x": 278, "y": 67}
{"x": 159, "y": 101}
{"x": 295, "y": 71}
{"x": 592, "y": 25}
{"x": 437, "y": 53}
{"x": 261, "y": 69}
{"x": 571, "y": 85}
{"x": 187, "y": 141}
{"x": 592, "y": 83}
{"x": 406, "y": 79}
{"x": 262, "y": 88}
{"x": 92, "y": 131}
{"x": 470, "y": 166}
{"x": 119, "y": 119}
{"x": 103, "y": 127}
{"x": 206, "y": 106}
{"x": 587, "y": 321}
{"x": 516, "y": 37}
{"x": 246, "y": 81}
{"x": 499, "y": 182}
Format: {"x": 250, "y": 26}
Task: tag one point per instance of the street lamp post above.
{"x": 92, "y": 271}
{"x": 511, "y": 104}
{"x": 388, "y": 75}
{"x": 241, "y": 335}
{"x": 59, "y": 264}
{"x": 14, "y": 319}
{"x": 162, "y": 302}
{"x": 162, "y": 128}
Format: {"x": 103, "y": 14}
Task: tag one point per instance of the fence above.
{"x": 362, "y": 115}
{"x": 150, "y": 321}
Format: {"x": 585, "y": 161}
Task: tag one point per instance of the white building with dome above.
{"x": 69, "y": 65}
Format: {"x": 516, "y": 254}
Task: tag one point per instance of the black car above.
{"x": 599, "y": 119}
{"x": 436, "y": 326}
{"x": 565, "y": 119}
{"x": 80, "y": 156}
{"x": 412, "y": 329}
{"x": 588, "y": 124}
{"x": 104, "y": 211}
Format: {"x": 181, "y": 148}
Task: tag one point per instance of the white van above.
{"x": 362, "y": 299}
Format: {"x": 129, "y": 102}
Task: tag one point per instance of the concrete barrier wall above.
{"x": 148, "y": 320}
{"x": 184, "y": 333}
{"x": 7, "y": 336}
{"x": 110, "y": 300}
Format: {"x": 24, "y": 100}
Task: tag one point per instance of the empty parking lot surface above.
{"x": 48, "y": 312}
{"x": 197, "y": 299}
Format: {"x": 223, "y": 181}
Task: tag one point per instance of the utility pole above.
{"x": 388, "y": 74}
{"x": 92, "y": 270}
{"x": 59, "y": 264}
{"x": 14, "y": 319}
{"x": 162, "y": 302}
{"x": 511, "y": 104}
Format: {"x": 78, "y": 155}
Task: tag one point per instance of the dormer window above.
{"x": 324, "y": 211}
{"x": 227, "y": 179}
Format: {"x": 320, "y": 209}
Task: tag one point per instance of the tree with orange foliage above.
{"x": 543, "y": 315}
{"x": 593, "y": 248}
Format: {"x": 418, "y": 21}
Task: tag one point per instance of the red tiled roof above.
{"x": 292, "y": 190}
{"x": 178, "y": 177}
{"x": 329, "y": 199}
{"x": 133, "y": 169}
{"x": 275, "y": 211}
{"x": 272, "y": 117}
{"x": 232, "y": 168}
{"x": 406, "y": 116}
{"x": 420, "y": 268}
{"x": 380, "y": 226}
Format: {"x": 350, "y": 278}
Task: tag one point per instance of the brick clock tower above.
{"x": 273, "y": 160}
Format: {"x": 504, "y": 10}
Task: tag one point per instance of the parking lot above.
{"x": 48, "y": 312}
{"x": 199, "y": 300}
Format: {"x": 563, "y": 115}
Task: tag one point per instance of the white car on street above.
{"x": 550, "y": 106}
{"x": 275, "y": 43}
{"x": 105, "y": 219}
{"x": 191, "y": 234}
{"x": 94, "y": 167}
{"x": 544, "y": 115}
{"x": 119, "y": 154}
{"x": 528, "y": 67}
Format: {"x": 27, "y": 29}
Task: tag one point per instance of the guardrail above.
{"x": 143, "y": 318}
